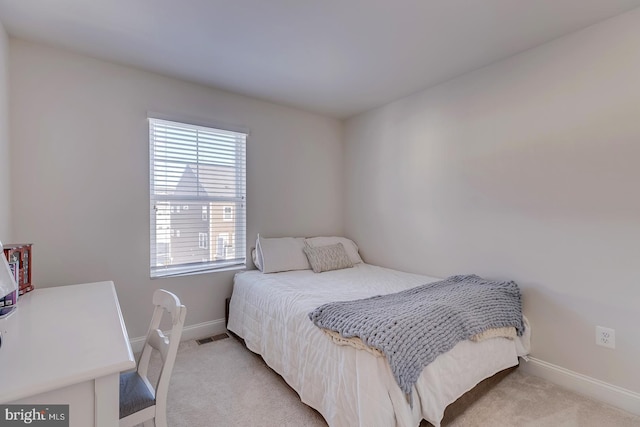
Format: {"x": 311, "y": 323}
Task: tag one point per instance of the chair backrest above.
{"x": 167, "y": 346}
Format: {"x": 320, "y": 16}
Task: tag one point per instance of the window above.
{"x": 227, "y": 213}
{"x": 204, "y": 169}
{"x": 203, "y": 240}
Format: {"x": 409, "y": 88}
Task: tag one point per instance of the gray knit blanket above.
{"x": 415, "y": 326}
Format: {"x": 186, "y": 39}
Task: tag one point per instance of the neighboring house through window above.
{"x": 227, "y": 213}
{"x": 198, "y": 195}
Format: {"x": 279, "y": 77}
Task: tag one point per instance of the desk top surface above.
{"x": 62, "y": 336}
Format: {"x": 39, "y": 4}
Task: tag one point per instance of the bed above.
{"x": 349, "y": 386}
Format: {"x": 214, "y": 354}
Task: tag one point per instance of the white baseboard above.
{"x": 608, "y": 393}
{"x": 192, "y": 332}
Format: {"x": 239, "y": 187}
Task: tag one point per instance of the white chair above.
{"x": 139, "y": 400}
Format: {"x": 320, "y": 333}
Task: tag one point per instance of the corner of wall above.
{"x": 5, "y": 163}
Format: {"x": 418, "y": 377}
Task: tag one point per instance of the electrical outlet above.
{"x": 605, "y": 337}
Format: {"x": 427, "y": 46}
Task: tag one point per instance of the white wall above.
{"x": 5, "y": 177}
{"x": 528, "y": 169}
{"x": 79, "y": 131}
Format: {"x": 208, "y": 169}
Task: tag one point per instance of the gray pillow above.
{"x": 327, "y": 258}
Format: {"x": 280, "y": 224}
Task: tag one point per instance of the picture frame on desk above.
{"x": 20, "y": 255}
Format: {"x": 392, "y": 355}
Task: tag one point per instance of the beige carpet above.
{"x": 223, "y": 384}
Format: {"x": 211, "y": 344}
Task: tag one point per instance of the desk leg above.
{"x": 107, "y": 400}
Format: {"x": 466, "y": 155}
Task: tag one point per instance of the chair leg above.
{"x": 161, "y": 419}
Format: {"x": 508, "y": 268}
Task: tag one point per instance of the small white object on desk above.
{"x": 67, "y": 345}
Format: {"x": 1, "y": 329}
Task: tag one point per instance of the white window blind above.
{"x": 198, "y": 196}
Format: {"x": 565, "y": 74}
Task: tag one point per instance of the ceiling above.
{"x": 335, "y": 57}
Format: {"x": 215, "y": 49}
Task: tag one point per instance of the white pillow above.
{"x": 349, "y": 246}
{"x": 281, "y": 254}
{"x": 254, "y": 257}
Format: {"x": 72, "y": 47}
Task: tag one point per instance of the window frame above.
{"x": 238, "y": 201}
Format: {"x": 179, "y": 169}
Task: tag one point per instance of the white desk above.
{"x": 67, "y": 345}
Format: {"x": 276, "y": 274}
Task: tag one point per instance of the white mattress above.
{"x": 352, "y": 387}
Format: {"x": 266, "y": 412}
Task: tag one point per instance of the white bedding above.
{"x": 352, "y": 387}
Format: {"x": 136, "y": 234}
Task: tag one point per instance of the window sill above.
{"x": 181, "y": 271}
